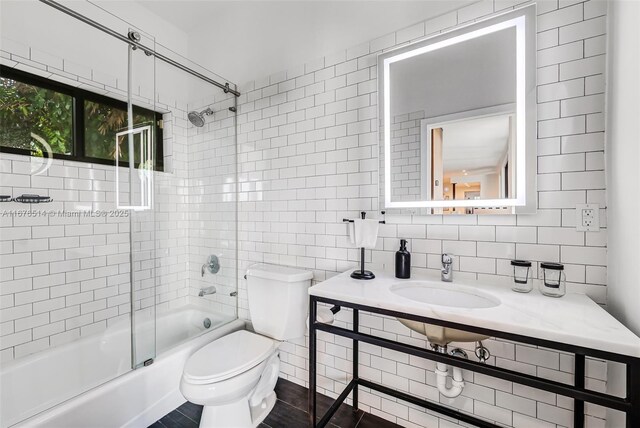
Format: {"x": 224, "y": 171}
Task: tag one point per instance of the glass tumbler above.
{"x": 522, "y": 280}
{"x": 553, "y": 279}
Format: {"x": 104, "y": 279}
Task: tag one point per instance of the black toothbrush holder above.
{"x": 362, "y": 273}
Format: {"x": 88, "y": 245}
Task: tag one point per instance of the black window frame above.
{"x": 79, "y": 96}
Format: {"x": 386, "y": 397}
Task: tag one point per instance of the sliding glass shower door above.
{"x": 79, "y": 143}
{"x": 136, "y": 163}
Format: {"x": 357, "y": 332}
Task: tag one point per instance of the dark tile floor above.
{"x": 290, "y": 411}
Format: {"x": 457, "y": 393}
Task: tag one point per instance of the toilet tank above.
{"x": 278, "y": 300}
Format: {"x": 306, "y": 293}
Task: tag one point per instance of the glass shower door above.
{"x": 135, "y": 170}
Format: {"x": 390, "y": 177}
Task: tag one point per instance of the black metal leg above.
{"x": 633, "y": 394}
{"x": 356, "y": 323}
{"x": 630, "y": 405}
{"x": 312, "y": 361}
{"x": 578, "y": 406}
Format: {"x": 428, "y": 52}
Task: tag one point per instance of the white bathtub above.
{"x": 101, "y": 365}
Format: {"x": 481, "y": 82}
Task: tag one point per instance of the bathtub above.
{"x": 89, "y": 382}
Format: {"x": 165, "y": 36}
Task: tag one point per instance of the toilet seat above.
{"x": 227, "y": 357}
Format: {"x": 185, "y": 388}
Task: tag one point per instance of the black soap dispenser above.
{"x": 403, "y": 261}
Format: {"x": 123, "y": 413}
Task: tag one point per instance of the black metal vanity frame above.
{"x": 630, "y": 405}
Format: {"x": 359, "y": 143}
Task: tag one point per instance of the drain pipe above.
{"x": 442, "y": 372}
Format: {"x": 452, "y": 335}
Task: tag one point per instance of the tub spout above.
{"x": 207, "y": 290}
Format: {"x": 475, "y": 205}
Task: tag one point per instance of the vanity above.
{"x": 573, "y": 324}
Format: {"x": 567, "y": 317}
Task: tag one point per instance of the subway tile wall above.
{"x": 307, "y": 156}
{"x": 405, "y": 157}
{"x": 212, "y": 205}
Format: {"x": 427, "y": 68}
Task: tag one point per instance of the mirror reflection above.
{"x": 452, "y": 119}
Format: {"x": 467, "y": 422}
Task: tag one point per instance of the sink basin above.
{"x": 435, "y": 294}
{"x": 426, "y": 292}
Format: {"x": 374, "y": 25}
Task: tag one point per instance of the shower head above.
{"x": 197, "y": 118}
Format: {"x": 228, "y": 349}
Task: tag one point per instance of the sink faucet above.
{"x": 446, "y": 273}
{"x": 207, "y": 290}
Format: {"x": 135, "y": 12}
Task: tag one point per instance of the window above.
{"x": 76, "y": 124}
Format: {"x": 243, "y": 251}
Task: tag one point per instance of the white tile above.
{"x": 442, "y": 232}
{"x": 554, "y": 414}
{"x": 493, "y": 413}
{"x": 562, "y": 199}
{"x": 499, "y": 250}
{"x": 561, "y": 163}
{"x": 477, "y": 233}
{"x": 594, "y": 84}
{"x": 540, "y": 253}
{"x": 595, "y": 8}
{"x": 583, "y": 67}
{"x": 442, "y": 22}
{"x": 547, "y": 39}
{"x": 459, "y": 248}
{"x": 549, "y": 182}
{"x": 548, "y": 74}
{"x": 475, "y": 11}
{"x": 560, "y": 90}
{"x": 583, "y": 143}
{"x": 560, "y": 235}
{"x": 582, "y": 105}
{"x": 410, "y": 33}
{"x": 515, "y": 234}
{"x": 588, "y": 180}
{"x": 584, "y": 255}
{"x": 560, "y": 17}
{"x": 477, "y": 264}
{"x": 560, "y": 54}
{"x": 583, "y": 30}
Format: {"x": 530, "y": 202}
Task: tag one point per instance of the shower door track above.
{"x": 225, "y": 87}
{"x": 630, "y": 405}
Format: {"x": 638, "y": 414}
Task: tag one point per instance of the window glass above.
{"x": 39, "y": 115}
{"x": 102, "y": 122}
{"x": 30, "y": 115}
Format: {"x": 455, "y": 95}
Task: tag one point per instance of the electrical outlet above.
{"x": 587, "y": 217}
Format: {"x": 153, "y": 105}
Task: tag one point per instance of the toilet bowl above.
{"x": 234, "y": 377}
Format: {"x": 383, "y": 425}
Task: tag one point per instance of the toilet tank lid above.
{"x": 279, "y": 273}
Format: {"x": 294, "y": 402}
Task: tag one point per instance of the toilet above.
{"x": 234, "y": 377}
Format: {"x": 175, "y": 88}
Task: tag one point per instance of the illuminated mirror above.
{"x": 458, "y": 119}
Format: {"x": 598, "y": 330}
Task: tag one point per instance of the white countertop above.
{"x": 574, "y": 319}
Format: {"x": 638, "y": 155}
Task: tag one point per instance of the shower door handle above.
{"x": 140, "y": 185}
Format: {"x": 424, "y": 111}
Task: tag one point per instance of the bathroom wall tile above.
{"x": 583, "y": 143}
{"x": 561, "y": 163}
{"x": 547, "y": 39}
{"x": 560, "y": 17}
{"x": 411, "y": 33}
{"x": 582, "y": 67}
{"x": 560, "y": 54}
{"x": 560, "y": 90}
{"x": 583, "y": 30}
{"x": 593, "y": 9}
{"x": 583, "y": 180}
{"x": 582, "y": 105}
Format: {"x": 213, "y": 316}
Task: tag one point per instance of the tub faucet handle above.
{"x": 212, "y": 265}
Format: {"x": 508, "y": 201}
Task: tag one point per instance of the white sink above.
{"x": 442, "y": 295}
{"x": 433, "y": 293}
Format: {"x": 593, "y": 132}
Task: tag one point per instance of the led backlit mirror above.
{"x": 458, "y": 119}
